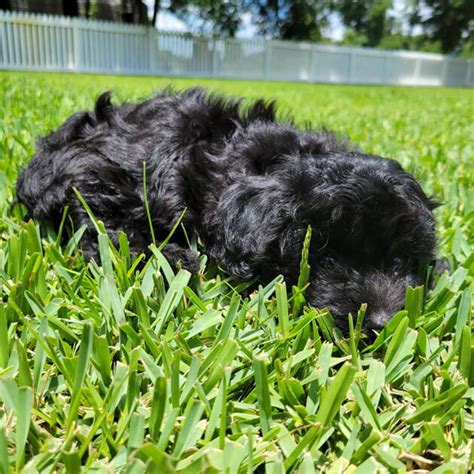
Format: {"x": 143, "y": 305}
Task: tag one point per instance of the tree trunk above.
{"x": 156, "y": 9}
{"x": 5, "y": 5}
{"x": 70, "y": 8}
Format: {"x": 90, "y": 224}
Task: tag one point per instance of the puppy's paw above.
{"x": 438, "y": 268}
{"x": 90, "y": 249}
{"x": 442, "y": 265}
{"x": 180, "y": 257}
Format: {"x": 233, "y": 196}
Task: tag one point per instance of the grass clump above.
{"x": 121, "y": 367}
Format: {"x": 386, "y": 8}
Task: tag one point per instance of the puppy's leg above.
{"x": 136, "y": 228}
{"x": 179, "y": 256}
{"x": 437, "y": 268}
{"x": 442, "y": 265}
{"x": 255, "y": 231}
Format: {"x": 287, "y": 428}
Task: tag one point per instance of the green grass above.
{"x": 110, "y": 368}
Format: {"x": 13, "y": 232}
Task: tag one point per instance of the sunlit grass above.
{"x": 128, "y": 367}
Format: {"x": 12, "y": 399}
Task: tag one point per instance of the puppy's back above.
{"x": 101, "y": 152}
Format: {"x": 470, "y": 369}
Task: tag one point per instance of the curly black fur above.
{"x": 251, "y": 186}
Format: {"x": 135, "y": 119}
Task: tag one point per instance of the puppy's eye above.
{"x": 397, "y": 265}
{"x": 397, "y": 262}
{"x": 327, "y": 262}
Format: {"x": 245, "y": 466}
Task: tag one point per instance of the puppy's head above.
{"x": 373, "y": 234}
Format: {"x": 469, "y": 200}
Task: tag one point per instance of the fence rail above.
{"x": 52, "y": 43}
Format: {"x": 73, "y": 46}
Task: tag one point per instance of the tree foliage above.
{"x": 444, "y": 26}
{"x": 446, "y": 21}
{"x": 366, "y": 21}
{"x": 298, "y": 20}
{"x": 218, "y": 17}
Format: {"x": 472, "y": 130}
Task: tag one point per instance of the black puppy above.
{"x": 251, "y": 186}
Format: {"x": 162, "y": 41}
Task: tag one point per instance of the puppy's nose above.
{"x": 378, "y": 319}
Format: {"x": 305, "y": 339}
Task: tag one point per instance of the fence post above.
{"x": 351, "y": 66}
{"x": 152, "y": 48}
{"x": 311, "y": 59}
{"x": 417, "y": 71}
{"x": 215, "y": 58}
{"x": 386, "y": 78}
{"x": 268, "y": 60}
{"x": 444, "y": 72}
{"x": 76, "y": 38}
{"x": 3, "y": 28}
{"x": 469, "y": 73}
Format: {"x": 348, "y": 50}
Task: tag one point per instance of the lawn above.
{"x": 118, "y": 367}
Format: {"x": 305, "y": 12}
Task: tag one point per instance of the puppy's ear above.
{"x": 255, "y": 230}
{"x": 105, "y": 112}
{"x": 74, "y": 128}
{"x": 433, "y": 204}
{"x": 261, "y": 110}
{"x": 104, "y": 109}
{"x": 325, "y": 203}
{"x": 264, "y": 145}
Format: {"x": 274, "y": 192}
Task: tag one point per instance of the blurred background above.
{"x": 443, "y": 26}
{"x": 263, "y": 39}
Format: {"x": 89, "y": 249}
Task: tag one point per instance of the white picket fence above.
{"x": 52, "y": 43}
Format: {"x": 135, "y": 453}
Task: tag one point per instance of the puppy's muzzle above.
{"x": 383, "y": 293}
{"x": 385, "y": 296}
{"x": 377, "y": 319}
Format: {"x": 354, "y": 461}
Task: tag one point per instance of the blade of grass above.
{"x": 282, "y": 308}
{"x": 263, "y": 394}
{"x": 4, "y": 458}
{"x": 147, "y": 207}
{"x": 81, "y": 370}
{"x": 335, "y": 395}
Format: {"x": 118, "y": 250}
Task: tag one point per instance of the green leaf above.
{"x": 463, "y": 314}
{"x": 24, "y": 375}
{"x": 20, "y": 400}
{"x": 4, "y": 458}
{"x": 263, "y": 394}
{"x": 438, "y": 436}
{"x": 438, "y": 404}
{"x": 81, "y": 369}
{"x": 172, "y": 299}
{"x": 158, "y": 405}
{"x": 192, "y": 416}
{"x": 366, "y": 406}
{"x": 311, "y": 436}
{"x": 209, "y": 319}
{"x": 414, "y": 304}
{"x": 4, "y": 339}
{"x": 282, "y": 308}
{"x": 137, "y": 431}
{"x": 335, "y": 395}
